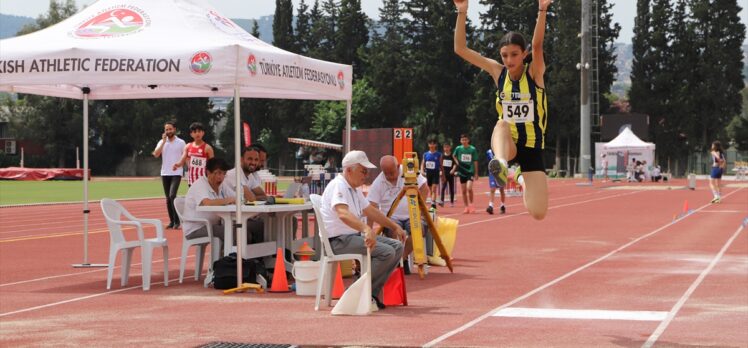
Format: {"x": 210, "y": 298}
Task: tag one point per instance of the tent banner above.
{"x": 161, "y": 49}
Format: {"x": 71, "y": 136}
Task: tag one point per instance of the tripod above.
{"x": 416, "y": 209}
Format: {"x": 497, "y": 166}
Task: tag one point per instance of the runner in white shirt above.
{"x": 343, "y": 209}
{"x": 170, "y": 149}
{"x": 383, "y": 192}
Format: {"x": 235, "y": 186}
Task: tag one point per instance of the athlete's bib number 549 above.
{"x": 518, "y": 111}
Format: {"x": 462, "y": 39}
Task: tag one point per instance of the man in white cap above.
{"x": 343, "y": 209}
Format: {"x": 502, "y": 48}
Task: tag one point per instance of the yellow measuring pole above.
{"x": 417, "y": 210}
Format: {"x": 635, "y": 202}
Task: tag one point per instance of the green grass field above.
{"x": 24, "y": 192}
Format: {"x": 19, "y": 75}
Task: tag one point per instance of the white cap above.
{"x": 357, "y": 157}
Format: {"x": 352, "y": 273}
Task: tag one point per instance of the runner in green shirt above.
{"x": 466, "y": 157}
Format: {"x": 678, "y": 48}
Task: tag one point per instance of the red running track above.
{"x": 601, "y": 249}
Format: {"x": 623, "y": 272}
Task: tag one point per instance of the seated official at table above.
{"x": 383, "y": 191}
{"x": 252, "y": 189}
{"x": 343, "y": 208}
{"x": 207, "y": 190}
{"x": 263, "y": 158}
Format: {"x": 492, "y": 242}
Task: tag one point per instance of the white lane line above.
{"x": 557, "y": 280}
{"x": 74, "y": 202}
{"x": 596, "y": 314}
{"x": 550, "y": 208}
{"x": 76, "y": 299}
{"x": 723, "y": 211}
{"x": 522, "y": 204}
{"x": 664, "y": 324}
{"x": 189, "y": 256}
{"x": 53, "y": 277}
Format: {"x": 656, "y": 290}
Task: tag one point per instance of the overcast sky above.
{"x": 623, "y": 10}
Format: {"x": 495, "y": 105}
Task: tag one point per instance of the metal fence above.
{"x": 701, "y": 163}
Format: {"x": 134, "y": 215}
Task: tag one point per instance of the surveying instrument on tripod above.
{"x": 416, "y": 210}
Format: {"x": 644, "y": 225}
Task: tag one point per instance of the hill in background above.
{"x": 10, "y": 25}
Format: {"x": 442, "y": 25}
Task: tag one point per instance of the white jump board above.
{"x": 590, "y": 314}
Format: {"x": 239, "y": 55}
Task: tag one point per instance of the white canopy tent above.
{"x": 138, "y": 49}
{"x": 621, "y": 149}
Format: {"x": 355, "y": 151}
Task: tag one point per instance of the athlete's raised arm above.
{"x": 460, "y": 44}
{"x": 537, "y": 66}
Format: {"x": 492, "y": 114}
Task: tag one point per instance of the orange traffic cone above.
{"x": 338, "y": 288}
{"x": 685, "y": 207}
{"x": 305, "y": 252}
{"x": 280, "y": 283}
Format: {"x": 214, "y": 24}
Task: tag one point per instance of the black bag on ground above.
{"x": 224, "y": 271}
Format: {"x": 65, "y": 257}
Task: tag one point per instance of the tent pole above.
{"x": 238, "y": 230}
{"x": 347, "y": 127}
{"x": 86, "y": 211}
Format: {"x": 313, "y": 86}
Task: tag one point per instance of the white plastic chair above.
{"x": 328, "y": 260}
{"x": 200, "y": 243}
{"x": 117, "y": 216}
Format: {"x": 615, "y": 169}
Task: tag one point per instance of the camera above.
{"x": 410, "y": 168}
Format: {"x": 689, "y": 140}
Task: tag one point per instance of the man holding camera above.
{"x": 386, "y": 187}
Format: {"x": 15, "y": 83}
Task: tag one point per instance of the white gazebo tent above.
{"x": 142, "y": 49}
{"x": 621, "y": 149}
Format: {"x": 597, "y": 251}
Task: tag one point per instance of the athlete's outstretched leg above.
{"x": 504, "y": 149}
{"x": 535, "y": 190}
{"x": 501, "y": 141}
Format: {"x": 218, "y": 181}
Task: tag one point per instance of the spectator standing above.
{"x": 493, "y": 185}
{"x": 195, "y": 154}
{"x": 447, "y": 175}
{"x": 466, "y": 168}
{"x": 170, "y": 149}
{"x": 718, "y": 167}
{"x": 431, "y": 167}
{"x": 604, "y": 164}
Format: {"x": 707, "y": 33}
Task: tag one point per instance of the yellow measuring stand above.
{"x": 416, "y": 210}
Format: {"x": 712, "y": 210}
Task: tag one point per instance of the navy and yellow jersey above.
{"x": 526, "y": 108}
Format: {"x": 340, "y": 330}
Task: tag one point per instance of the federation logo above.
{"x": 341, "y": 80}
{"x": 201, "y": 62}
{"x": 113, "y": 22}
{"x": 502, "y": 95}
{"x": 252, "y": 64}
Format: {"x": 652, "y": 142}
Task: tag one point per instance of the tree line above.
{"x": 407, "y": 75}
{"x": 687, "y": 74}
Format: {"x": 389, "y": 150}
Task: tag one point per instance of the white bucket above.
{"x": 305, "y": 273}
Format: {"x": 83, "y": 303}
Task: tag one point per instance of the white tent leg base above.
{"x": 90, "y": 265}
